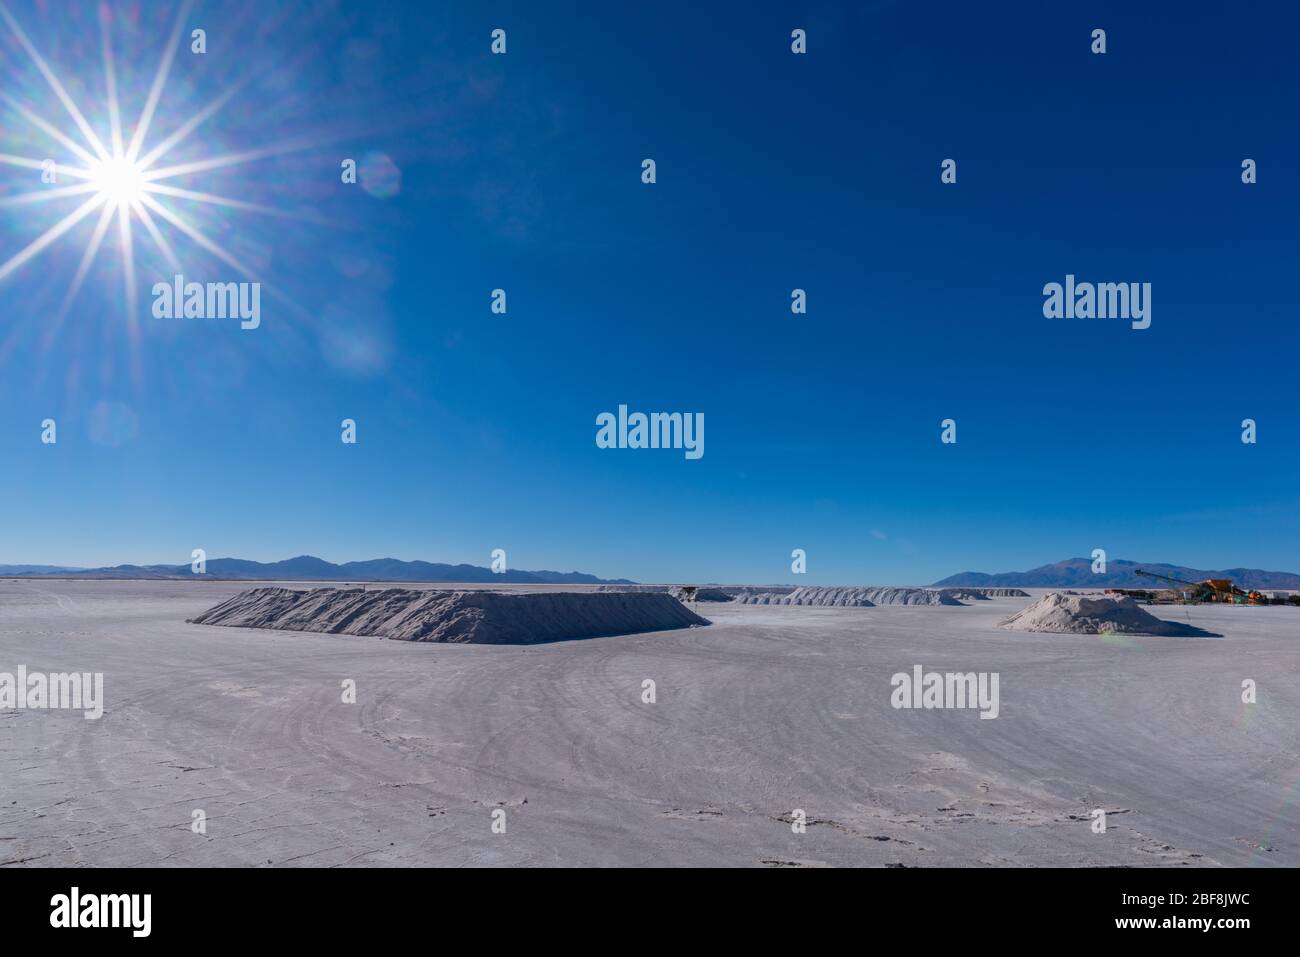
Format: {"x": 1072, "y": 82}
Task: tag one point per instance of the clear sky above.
{"x": 774, "y": 171}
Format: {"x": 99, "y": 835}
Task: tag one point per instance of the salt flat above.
{"x": 767, "y": 710}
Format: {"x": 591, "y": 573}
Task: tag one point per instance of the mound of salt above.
{"x": 828, "y": 597}
{"x": 1066, "y": 614}
{"x": 910, "y": 596}
{"x": 982, "y": 594}
{"x": 482, "y": 617}
{"x": 637, "y": 589}
{"x": 761, "y": 598}
{"x": 859, "y": 597}
{"x": 702, "y": 593}
{"x": 705, "y": 592}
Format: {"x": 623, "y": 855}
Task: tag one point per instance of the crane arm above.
{"x": 1147, "y": 574}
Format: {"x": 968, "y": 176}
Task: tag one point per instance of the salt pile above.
{"x": 703, "y": 593}
{"x": 851, "y": 597}
{"x": 835, "y": 597}
{"x": 1082, "y": 615}
{"x": 777, "y": 590}
{"x": 981, "y": 594}
{"x": 480, "y": 617}
{"x": 762, "y": 598}
{"x": 637, "y": 589}
{"x": 910, "y": 596}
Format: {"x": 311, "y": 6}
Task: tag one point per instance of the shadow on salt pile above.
{"x": 1072, "y": 614}
{"x": 462, "y": 617}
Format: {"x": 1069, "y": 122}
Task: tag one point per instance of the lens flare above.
{"x": 125, "y": 179}
{"x": 119, "y": 181}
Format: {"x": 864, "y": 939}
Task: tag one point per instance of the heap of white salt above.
{"x": 486, "y": 617}
{"x": 856, "y": 597}
{"x": 1059, "y": 613}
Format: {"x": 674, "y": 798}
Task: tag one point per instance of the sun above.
{"x": 118, "y": 181}
{"x": 118, "y": 177}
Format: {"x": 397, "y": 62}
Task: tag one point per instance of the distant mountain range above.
{"x": 1071, "y": 573}
{"x": 308, "y": 568}
{"x": 1077, "y": 573}
{"x": 10, "y": 571}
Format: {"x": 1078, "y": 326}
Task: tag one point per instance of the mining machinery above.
{"x": 1220, "y": 590}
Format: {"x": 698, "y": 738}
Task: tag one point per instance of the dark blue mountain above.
{"x": 1120, "y": 573}
{"x": 309, "y": 568}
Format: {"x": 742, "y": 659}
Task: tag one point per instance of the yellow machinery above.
{"x": 1212, "y": 589}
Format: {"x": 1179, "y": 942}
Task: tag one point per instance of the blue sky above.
{"x": 775, "y": 171}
